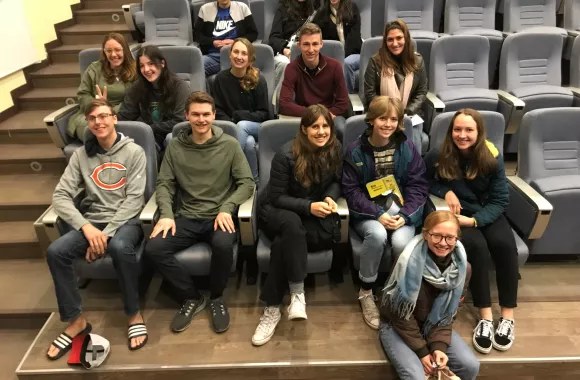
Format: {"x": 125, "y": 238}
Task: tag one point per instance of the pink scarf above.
{"x": 389, "y": 86}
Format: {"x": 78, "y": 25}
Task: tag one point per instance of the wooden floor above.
{"x": 333, "y": 343}
{"x": 16, "y": 334}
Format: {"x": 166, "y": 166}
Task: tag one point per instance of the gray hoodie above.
{"x": 114, "y": 185}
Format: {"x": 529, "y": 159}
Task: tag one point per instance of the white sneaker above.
{"x": 370, "y": 311}
{"x": 268, "y": 322}
{"x": 297, "y": 308}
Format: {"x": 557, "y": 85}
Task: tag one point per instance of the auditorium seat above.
{"x": 187, "y": 63}
{"x": 575, "y": 70}
{"x": 135, "y": 20}
{"x": 572, "y": 15}
{"x": 538, "y": 16}
{"x": 272, "y": 136}
{"x": 369, "y": 48}
{"x": 55, "y": 227}
{"x": 167, "y": 22}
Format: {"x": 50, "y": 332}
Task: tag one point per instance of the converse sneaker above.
{"x": 369, "y": 310}
{"x": 482, "y": 336}
{"x": 183, "y": 318}
{"x": 297, "y": 308}
{"x": 220, "y": 316}
{"x": 268, "y": 322}
{"x": 504, "y": 334}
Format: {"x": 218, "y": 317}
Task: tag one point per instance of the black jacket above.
{"x": 285, "y": 192}
{"x": 232, "y": 103}
{"x": 372, "y": 85}
{"x": 352, "y": 38}
{"x": 282, "y": 30}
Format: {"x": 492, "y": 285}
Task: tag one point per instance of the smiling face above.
{"x": 149, "y": 69}
{"x": 239, "y": 56}
{"x": 200, "y": 117}
{"x": 384, "y": 126}
{"x": 318, "y": 133}
{"x": 437, "y": 238}
{"x": 101, "y": 122}
{"x": 464, "y": 132}
{"x": 310, "y": 45}
{"x": 396, "y": 41}
{"x": 114, "y": 53}
{"x": 334, "y": 3}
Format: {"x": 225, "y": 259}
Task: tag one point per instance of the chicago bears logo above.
{"x": 110, "y": 166}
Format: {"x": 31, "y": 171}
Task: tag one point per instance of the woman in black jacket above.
{"x": 298, "y": 213}
{"x": 340, "y": 21}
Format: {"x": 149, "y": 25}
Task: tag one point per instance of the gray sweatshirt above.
{"x": 114, "y": 184}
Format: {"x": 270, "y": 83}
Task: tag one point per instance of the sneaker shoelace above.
{"x": 215, "y": 308}
{"x": 266, "y": 320}
{"x": 484, "y": 328}
{"x": 298, "y": 297}
{"x": 368, "y": 301}
{"x": 505, "y": 327}
{"x": 186, "y": 308}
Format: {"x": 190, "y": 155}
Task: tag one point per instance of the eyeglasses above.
{"x": 102, "y": 117}
{"x": 438, "y": 237}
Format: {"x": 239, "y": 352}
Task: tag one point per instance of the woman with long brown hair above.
{"x": 241, "y": 96}
{"x": 108, "y": 78}
{"x": 468, "y": 172}
{"x": 298, "y": 213}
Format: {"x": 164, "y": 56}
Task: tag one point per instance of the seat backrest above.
{"x": 575, "y": 64}
{"x": 494, "y": 123}
{"x": 469, "y": 14}
{"x": 330, "y": 48}
{"x": 417, "y": 14}
{"x": 377, "y": 17}
{"x": 572, "y": 15}
{"x": 228, "y": 127}
{"x": 273, "y": 135}
{"x": 522, "y": 14}
{"x": 167, "y": 19}
{"x": 270, "y": 8}
{"x": 529, "y": 59}
{"x": 369, "y": 48}
{"x": 460, "y": 61}
{"x": 187, "y": 63}
{"x": 365, "y": 10}
{"x": 88, "y": 56}
{"x": 549, "y": 143}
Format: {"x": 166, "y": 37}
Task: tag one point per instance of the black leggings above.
{"x": 495, "y": 240}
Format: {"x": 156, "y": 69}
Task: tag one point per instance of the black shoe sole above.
{"x": 195, "y": 312}
{"x": 222, "y": 330}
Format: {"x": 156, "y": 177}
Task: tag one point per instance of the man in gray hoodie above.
{"x": 111, "y": 169}
{"x": 214, "y": 178}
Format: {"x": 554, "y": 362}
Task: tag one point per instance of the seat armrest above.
{"x": 435, "y": 103}
{"x": 246, "y": 221}
{"x": 528, "y": 212}
{"x": 48, "y": 222}
{"x": 512, "y": 109}
{"x": 357, "y": 106}
{"x": 573, "y": 33}
{"x": 149, "y": 215}
{"x": 51, "y": 119}
{"x": 576, "y": 93}
{"x": 438, "y": 204}
{"x": 344, "y": 219}
{"x": 129, "y": 11}
{"x": 286, "y": 117}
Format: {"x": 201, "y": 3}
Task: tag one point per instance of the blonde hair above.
{"x": 384, "y": 105}
{"x": 252, "y": 76}
{"x": 438, "y": 217}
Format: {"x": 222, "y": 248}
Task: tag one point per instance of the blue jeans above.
{"x": 351, "y": 65}
{"x": 462, "y": 361}
{"x": 375, "y": 238}
{"x": 248, "y": 137}
{"x": 211, "y": 63}
{"x": 73, "y": 245}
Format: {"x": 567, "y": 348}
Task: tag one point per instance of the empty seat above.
{"x": 531, "y": 15}
{"x": 572, "y": 15}
{"x": 135, "y": 20}
{"x": 167, "y": 22}
{"x": 187, "y": 63}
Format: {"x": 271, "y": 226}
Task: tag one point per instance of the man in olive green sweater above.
{"x": 214, "y": 178}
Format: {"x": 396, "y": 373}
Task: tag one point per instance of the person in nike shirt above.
{"x": 110, "y": 168}
{"x": 219, "y": 24}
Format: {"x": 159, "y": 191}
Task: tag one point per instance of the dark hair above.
{"x": 312, "y": 163}
{"x": 344, "y": 12}
{"x": 199, "y": 97}
{"x": 128, "y": 71}
{"x": 482, "y": 163}
{"x": 385, "y": 58}
{"x": 167, "y": 82}
{"x": 96, "y": 103}
{"x": 309, "y": 29}
{"x": 252, "y": 76}
{"x": 296, "y": 10}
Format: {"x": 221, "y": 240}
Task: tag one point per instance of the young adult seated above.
{"x": 110, "y": 168}
{"x": 288, "y": 19}
{"x": 313, "y": 78}
{"x": 241, "y": 96}
{"x": 219, "y": 24}
{"x": 108, "y": 78}
{"x": 214, "y": 178}
{"x": 468, "y": 172}
{"x": 158, "y": 96}
{"x": 298, "y": 212}
{"x": 420, "y": 300}
{"x": 340, "y": 21}
{"x": 383, "y": 212}
{"x": 398, "y": 71}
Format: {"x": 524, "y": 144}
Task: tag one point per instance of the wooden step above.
{"x": 26, "y": 127}
{"x": 57, "y": 75}
{"x": 69, "y": 53}
{"x": 24, "y": 197}
{"x": 91, "y": 33}
{"x": 105, "y": 4}
{"x": 100, "y": 16}
{"x": 47, "y": 98}
{"x": 31, "y": 159}
{"x": 18, "y": 241}
{"x": 27, "y": 287}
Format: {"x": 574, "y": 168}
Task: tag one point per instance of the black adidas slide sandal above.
{"x": 64, "y": 343}
{"x": 135, "y": 331}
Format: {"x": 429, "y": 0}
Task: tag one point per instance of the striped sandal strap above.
{"x": 137, "y": 330}
{"x": 62, "y": 341}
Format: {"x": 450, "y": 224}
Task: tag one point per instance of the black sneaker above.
{"x": 183, "y": 318}
{"x": 220, "y": 316}
{"x": 482, "y": 336}
{"x": 504, "y": 334}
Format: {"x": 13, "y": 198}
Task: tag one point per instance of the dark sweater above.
{"x": 352, "y": 37}
{"x": 232, "y": 103}
{"x": 301, "y": 89}
{"x": 283, "y": 27}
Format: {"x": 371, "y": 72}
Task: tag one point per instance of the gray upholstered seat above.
{"x": 572, "y": 15}
{"x": 167, "y": 22}
{"x": 187, "y": 63}
{"x": 330, "y": 48}
{"x": 369, "y": 48}
{"x": 575, "y": 64}
{"x": 522, "y": 15}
